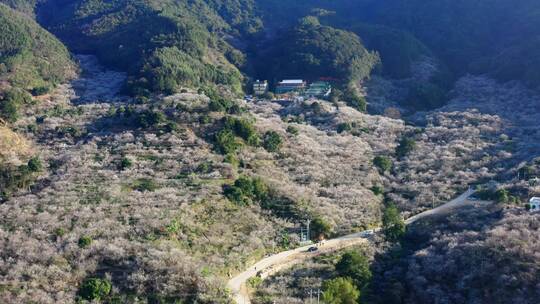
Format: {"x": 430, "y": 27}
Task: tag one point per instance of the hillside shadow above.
{"x": 391, "y": 266}
{"x": 517, "y": 106}
{"x": 96, "y": 83}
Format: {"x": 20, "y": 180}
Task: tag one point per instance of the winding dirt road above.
{"x": 286, "y": 259}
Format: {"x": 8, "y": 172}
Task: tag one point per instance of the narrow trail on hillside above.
{"x": 286, "y": 259}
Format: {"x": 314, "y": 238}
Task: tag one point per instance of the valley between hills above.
{"x": 139, "y": 164}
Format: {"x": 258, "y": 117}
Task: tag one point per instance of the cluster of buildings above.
{"x": 298, "y": 87}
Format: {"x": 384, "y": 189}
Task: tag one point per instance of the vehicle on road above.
{"x": 368, "y": 233}
{"x": 312, "y": 249}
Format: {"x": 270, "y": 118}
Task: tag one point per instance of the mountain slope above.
{"x": 164, "y": 45}
{"x": 161, "y": 197}
{"x": 25, "y": 6}
{"x": 487, "y": 256}
{"x": 31, "y": 60}
{"x": 30, "y": 57}
{"x": 494, "y": 37}
{"x": 311, "y": 50}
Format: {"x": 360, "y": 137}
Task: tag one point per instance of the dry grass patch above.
{"x": 13, "y": 147}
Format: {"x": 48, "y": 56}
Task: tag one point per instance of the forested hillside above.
{"x": 164, "y": 45}
{"x": 311, "y": 50}
{"x": 30, "y": 57}
{"x": 32, "y": 61}
{"x": 25, "y": 6}
{"x": 495, "y": 37}
{"x": 169, "y": 44}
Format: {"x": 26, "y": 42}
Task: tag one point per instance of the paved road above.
{"x": 272, "y": 264}
{"x": 282, "y": 260}
{"x": 457, "y": 202}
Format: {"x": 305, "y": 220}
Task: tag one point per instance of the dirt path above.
{"x": 286, "y": 259}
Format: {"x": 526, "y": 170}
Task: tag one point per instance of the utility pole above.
{"x": 310, "y": 296}
{"x": 318, "y": 292}
{"x": 308, "y": 232}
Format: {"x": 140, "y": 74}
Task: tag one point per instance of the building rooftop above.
{"x": 292, "y": 81}
{"x": 534, "y": 200}
{"x": 320, "y": 84}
